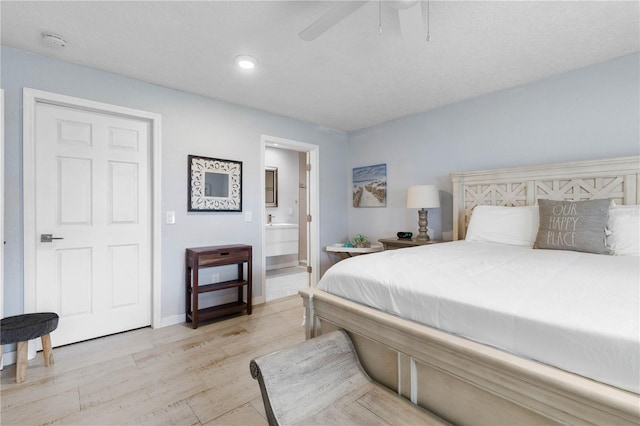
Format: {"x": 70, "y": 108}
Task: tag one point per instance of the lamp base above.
{"x": 422, "y": 226}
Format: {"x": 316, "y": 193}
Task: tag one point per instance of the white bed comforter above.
{"x": 576, "y": 311}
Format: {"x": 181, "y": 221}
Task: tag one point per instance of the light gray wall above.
{"x": 585, "y": 114}
{"x": 190, "y": 125}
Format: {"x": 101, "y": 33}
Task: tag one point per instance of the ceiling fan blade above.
{"x": 329, "y": 19}
{"x": 412, "y": 26}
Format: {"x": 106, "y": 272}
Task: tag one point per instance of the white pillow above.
{"x": 624, "y": 230}
{"x": 507, "y": 225}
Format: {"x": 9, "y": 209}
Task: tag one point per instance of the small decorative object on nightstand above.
{"x": 423, "y": 197}
{"x": 360, "y": 241}
{"x": 398, "y": 243}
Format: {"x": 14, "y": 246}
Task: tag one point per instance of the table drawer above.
{"x": 223, "y": 257}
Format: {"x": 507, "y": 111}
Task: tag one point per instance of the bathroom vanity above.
{"x": 281, "y": 239}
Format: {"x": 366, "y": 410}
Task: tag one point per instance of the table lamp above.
{"x": 423, "y": 197}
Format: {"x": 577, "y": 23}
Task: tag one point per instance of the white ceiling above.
{"x": 350, "y": 77}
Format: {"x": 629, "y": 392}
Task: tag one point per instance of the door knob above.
{"x": 48, "y": 238}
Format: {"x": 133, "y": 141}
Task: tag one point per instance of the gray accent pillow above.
{"x": 573, "y": 225}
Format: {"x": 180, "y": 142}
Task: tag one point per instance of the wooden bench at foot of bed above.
{"x": 322, "y": 382}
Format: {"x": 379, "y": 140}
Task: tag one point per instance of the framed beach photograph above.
{"x": 215, "y": 185}
{"x": 370, "y": 186}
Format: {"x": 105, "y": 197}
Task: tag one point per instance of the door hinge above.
{"x": 309, "y": 269}
{"x": 308, "y": 218}
{"x": 308, "y": 167}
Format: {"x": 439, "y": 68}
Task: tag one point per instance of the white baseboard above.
{"x": 172, "y": 320}
{"x": 9, "y": 358}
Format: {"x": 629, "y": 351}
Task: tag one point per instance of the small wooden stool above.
{"x": 22, "y": 328}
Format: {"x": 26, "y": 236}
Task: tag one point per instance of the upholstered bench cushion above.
{"x": 20, "y": 328}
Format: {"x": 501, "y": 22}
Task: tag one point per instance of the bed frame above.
{"x": 465, "y": 382}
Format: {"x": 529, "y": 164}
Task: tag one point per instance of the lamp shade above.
{"x": 423, "y": 197}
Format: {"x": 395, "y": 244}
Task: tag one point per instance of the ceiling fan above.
{"x": 412, "y": 15}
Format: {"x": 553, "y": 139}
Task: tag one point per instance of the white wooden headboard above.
{"x": 615, "y": 178}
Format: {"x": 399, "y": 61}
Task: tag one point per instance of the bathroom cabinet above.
{"x": 281, "y": 239}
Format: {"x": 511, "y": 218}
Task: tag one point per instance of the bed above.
{"x": 529, "y": 363}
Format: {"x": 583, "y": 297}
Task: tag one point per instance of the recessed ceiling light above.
{"x": 246, "y": 62}
{"x": 54, "y": 40}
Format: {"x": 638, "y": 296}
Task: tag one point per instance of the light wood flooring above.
{"x": 173, "y": 375}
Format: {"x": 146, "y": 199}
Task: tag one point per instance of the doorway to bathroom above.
{"x": 290, "y": 231}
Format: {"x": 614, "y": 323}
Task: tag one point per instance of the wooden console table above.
{"x": 209, "y": 257}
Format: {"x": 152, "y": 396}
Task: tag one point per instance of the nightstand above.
{"x": 397, "y": 243}
{"x": 346, "y": 252}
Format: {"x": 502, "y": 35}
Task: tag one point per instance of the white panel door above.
{"x": 1, "y": 211}
{"x": 92, "y": 192}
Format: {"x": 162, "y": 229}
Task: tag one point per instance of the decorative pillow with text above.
{"x": 573, "y": 225}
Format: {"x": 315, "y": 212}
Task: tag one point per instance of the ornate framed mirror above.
{"x": 215, "y": 185}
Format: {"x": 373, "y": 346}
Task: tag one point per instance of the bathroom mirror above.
{"x": 271, "y": 187}
{"x": 214, "y": 184}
